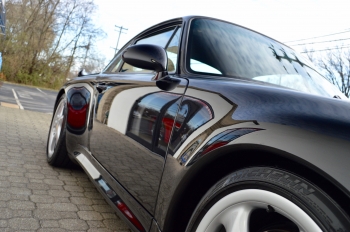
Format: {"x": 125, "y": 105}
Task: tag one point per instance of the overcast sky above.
{"x": 279, "y": 19}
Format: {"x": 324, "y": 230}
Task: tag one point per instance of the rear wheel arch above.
{"x": 59, "y": 95}
{"x": 221, "y": 162}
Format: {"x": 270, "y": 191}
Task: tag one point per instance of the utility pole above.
{"x": 87, "y": 48}
{"x": 120, "y": 30}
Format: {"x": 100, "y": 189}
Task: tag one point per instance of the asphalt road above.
{"x": 35, "y": 196}
{"x": 27, "y": 98}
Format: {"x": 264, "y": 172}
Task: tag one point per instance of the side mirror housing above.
{"x": 147, "y": 56}
{"x": 151, "y": 57}
{"x": 82, "y": 73}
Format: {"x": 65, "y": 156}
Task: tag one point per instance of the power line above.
{"x": 347, "y": 46}
{"x": 318, "y": 36}
{"x": 327, "y": 41}
{"x": 120, "y": 31}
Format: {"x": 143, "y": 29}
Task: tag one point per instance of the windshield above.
{"x": 224, "y": 49}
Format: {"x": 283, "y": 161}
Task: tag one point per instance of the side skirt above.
{"x": 125, "y": 205}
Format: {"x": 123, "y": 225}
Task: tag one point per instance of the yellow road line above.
{"x": 9, "y": 105}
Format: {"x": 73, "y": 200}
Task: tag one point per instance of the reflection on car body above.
{"x": 197, "y": 120}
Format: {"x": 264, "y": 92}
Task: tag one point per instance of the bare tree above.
{"x": 48, "y": 38}
{"x": 335, "y": 65}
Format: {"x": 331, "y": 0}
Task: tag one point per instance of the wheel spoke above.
{"x": 58, "y": 133}
{"x": 236, "y": 218}
{"x": 53, "y": 143}
{"x": 60, "y": 119}
{"x": 235, "y": 212}
{"x": 56, "y": 127}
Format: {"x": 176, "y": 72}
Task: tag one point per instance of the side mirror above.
{"x": 82, "y": 73}
{"x": 149, "y": 57}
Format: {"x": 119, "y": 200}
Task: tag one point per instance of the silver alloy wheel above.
{"x": 233, "y": 211}
{"x": 56, "y": 128}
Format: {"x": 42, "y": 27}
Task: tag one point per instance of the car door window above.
{"x": 116, "y": 64}
{"x": 161, "y": 39}
{"x": 117, "y": 61}
{"x": 172, "y": 51}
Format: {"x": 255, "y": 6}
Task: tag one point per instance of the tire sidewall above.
{"x": 61, "y": 140}
{"x": 312, "y": 200}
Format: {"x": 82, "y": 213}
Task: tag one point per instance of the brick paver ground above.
{"x": 37, "y": 197}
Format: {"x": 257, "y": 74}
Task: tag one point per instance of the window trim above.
{"x": 176, "y": 27}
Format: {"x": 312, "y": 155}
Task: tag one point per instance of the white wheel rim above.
{"x": 234, "y": 210}
{"x": 56, "y": 128}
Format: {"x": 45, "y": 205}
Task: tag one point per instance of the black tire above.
{"x": 59, "y": 157}
{"x": 320, "y": 208}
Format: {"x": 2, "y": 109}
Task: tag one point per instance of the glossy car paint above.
{"x": 161, "y": 173}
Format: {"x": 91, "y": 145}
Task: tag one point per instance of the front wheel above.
{"x": 263, "y": 199}
{"x": 57, "y": 154}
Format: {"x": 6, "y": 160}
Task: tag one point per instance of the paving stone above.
{"x": 43, "y": 206}
{"x": 93, "y": 195}
{"x": 19, "y": 174}
{"x": 22, "y": 213}
{"x": 64, "y": 207}
{"x": 73, "y": 188}
{"x": 39, "y": 192}
{"x": 35, "y": 196}
{"x": 4, "y": 184}
{"x": 20, "y": 197}
{"x": 53, "y": 182}
{"x": 73, "y": 224}
{"x": 32, "y": 166}
{"x": 35, "y": 175}
{"x": 68, "y": 180}
{"x": 103, "y": 208}
{"x": 24, "y": 223}
{"x": 72, "y": 183}
{"x": 3, "y": 223}
{"x": 62, "y": 200}
{"x": 18, "y": 185}
{"x": 56, "y": 187}
{"x": 96, "y": 224}
{"x": 51, "y": 230}
{"x": 58, "y": 193}
{"x": 18, "y": 179}
{"x": 86, "y": 184}
{"x": 110, "y": 216}
{"x": 49, "y": 223}
{"x": 4, "y": 173}
{"x": 100, "y": 201}
{"x": 114, "y": 224}
{"x": 84, "y": 207}
{"x": 99, "y": 230}
{"x": 89, "y": 215}
{"x": 5, "y": 197}
{"x": 76, "y": 194}
{"x": 42, "y": 199}
{"x": 38, "y": 186}
{"x": 3, "y": 204}
{"x": 5, "y": 213}
{"x": 81, "y": 201}
{"x": 69, "y": 215}
{"x": 46, "y": 214}
{"x": 26, "y": 205}
{"x": 15, "y": 190}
